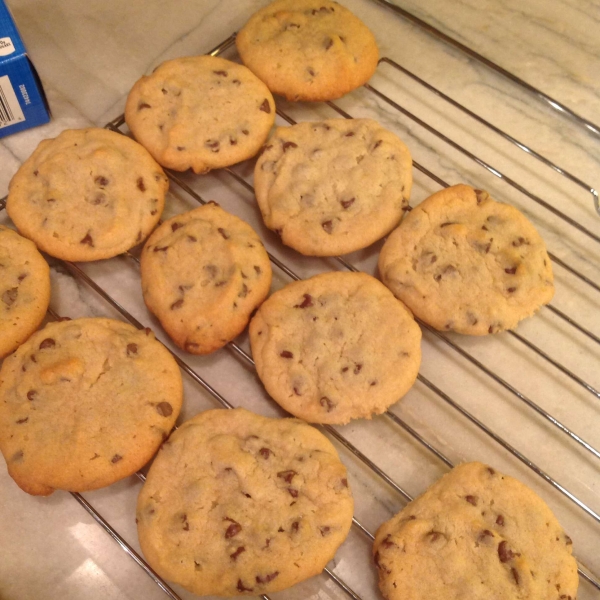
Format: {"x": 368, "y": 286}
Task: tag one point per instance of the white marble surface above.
{"x": 90, "y": 53}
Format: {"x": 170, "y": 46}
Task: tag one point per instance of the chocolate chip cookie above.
{"x": 475, "y": 534}
{"x": 200, "y": 112}
{"x": 463, "y": 262}
{"x": 24, "y": 289}
{"x": 84, "y": 403}
{"x": 238, "y": 504}
{"x": 308, "y": 49}
{"x": 203, "y": 273}
{"x": 335, "y": 347}
{"x": 87, "y": 194}
{"x": 333, "y": 187}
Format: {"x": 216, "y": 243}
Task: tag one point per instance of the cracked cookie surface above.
{"x": 203, "y": 273}
{"x": 24, "y": 289}
{"x": 335, "y": 347}
{"x": 87, "y": 194}
{"x": 466, "y": 263}
{"x": 85, "y": 403}
{"x": 475, "y": 534}
{"x": 308, "y": 49}
{"x": 200, "y": 112}
{"x": 333, "y": 187}
{"x": 239, "y": 504}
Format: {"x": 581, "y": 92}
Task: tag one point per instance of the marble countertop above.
{"x": 89, "y": 54}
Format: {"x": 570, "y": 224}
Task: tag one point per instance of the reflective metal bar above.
{"x": 506, "y": 136}
{"x": 485, "y": 165}
{"x": 555, "y": 104}
{"x": 577, "y": 326}
{"x": 125, "y": 546}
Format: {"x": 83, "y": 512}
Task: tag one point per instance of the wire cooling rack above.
{"x": 425, "y": 439}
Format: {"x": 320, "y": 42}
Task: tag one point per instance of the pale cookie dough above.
{"x": 479, "y": 535}
{"x": 238, "y": 504}
{"x": 203, "y": 273}
{"x": 334, "y": 186}
{"x": 308, "y": 49}
{"x": 200, "y": 112}
{"x": 24, "y": 289}
{"x": 87, "y": 194}
{"x": 335, "y": 347}
{"x": 463, "y": 262}
{"x": 84, "y": 403}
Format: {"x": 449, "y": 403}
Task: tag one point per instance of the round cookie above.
{"x": 475, "y": 534}
{"x": 463, "y": 262}
{"x": 308, "y": 49}
{"x": 200, "y": 112}
{"x": 24, "y": 289}
{"x": 84, "y": 403}
{"x": 239, "y": 504}
{"x": 203, "y": 273}
{"x": 87, "y": 194}
{"x": 335, "y": 347}
{"x": 333, "y": 187}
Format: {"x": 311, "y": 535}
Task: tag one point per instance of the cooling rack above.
{"x": 418, "y": 428}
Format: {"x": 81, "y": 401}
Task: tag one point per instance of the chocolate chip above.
{"x": 265, "y": 107}
{"x": 327, "y": 403}
{"x": 31, "y": 395}
{"x": 140, "y": 184}
{"x": 154, "y": 211}
{"x": 288, "y": 145}
{"x": 347, "y": 203}
{"x": 287, "y": 476}
{"x": 214, "y": 145}
{"x": 311, "y": 72}
{"x": 484, "y": 228}
{"x": 520, "y": 242}
{"x": 87, "y": 240}
{"x": 349, "y": 134}
{"x": 434, "y": 536}
{"x": 116, "y": 458}
{"x": 245, "y": 131}
{"x": 233, "y": 529}
{"x": 327, "y": 226}
{"x": 286, "y": 354}
{"x": 36, "y": 172}
{"x": 264, "y": 452}
{"x": 176, "y": 226}
{"x": 47, "y": 343}
{"x": 223, "y": 233}
{"x": 177, "y": 304}
{"x": 491, "y": 471}
{"x": 101, "y": 181}
{"x": 471, "y": 500}
{"x": 481, "y": 196}
{"x": 510, "y": 290}
{"x": 504, "y": 552}
{"x": 568, "y": 540}
{"x": 325, "y": 530}
{"x": 244, "y": 291}
{"x": 191, "y": 238}
{"x": 306, "y": 302}
{"x": 328, "y": 43}
{"x": 164, "y": 409}
{"x": 143, "y": 105}
{"x": 295, "y": 526}
{"x": 232, "y": 141}
{"x": 257, "y": 269}
{"x": 344, "y": 369}
{"x": 236, "y": 82}
{"x": 161, "y": 248}
{"x": 21, "y": 421}
{"x": 131, "y": 349}
{"x": 267, "y": 578}
{"x": 237, "y": 552}
{"x": 448, "y": 223}
{"x": 357, "y": 368}
{"x": 485, "y": 533}
{"x": 220, "y": 73}
{"x": 180, "y": 148}
{"x": 9, "y": 296}
{"x": 293, "y": 493}
{"x": 241, "y": 588}
{"x": 377, "y": 144}
{"x": 376, "y": 560}
{"x": 292, "y": 26}
{"x": 511, "y": 271}
{"x": 515, "y": 575}
{"x": 21, "y": 277}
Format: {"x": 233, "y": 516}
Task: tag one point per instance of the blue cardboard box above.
{"x": 22, "y": 100}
